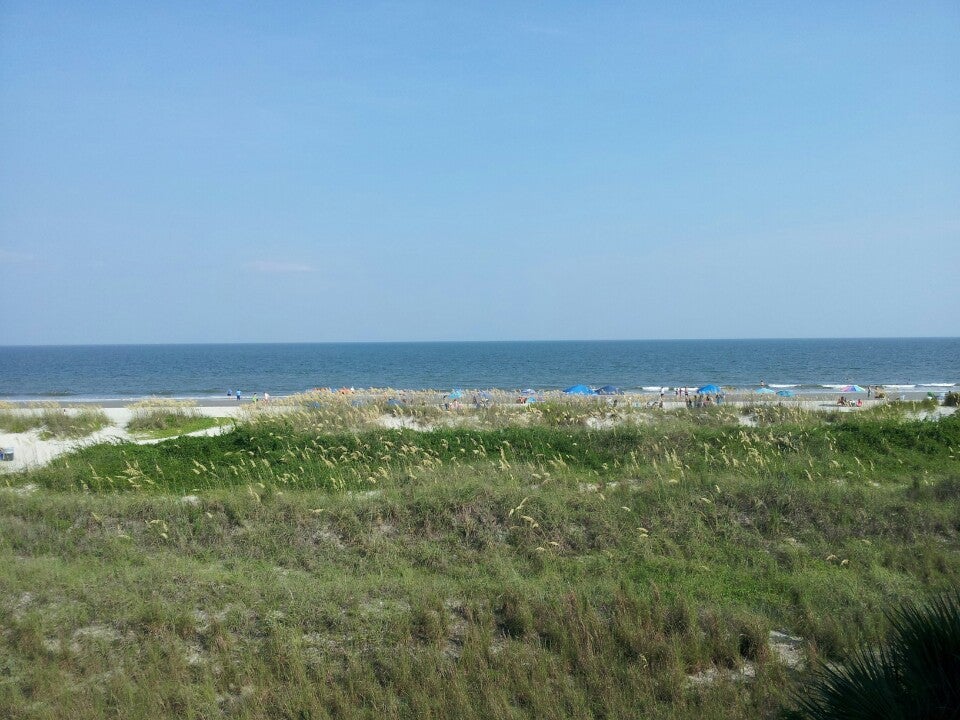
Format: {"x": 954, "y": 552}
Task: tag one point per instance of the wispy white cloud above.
{"x": 275, "y": 266}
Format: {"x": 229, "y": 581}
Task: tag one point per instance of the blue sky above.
{"x": 260, "y": 172}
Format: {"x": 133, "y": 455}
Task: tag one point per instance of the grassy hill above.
{"x": 298, "y": 569}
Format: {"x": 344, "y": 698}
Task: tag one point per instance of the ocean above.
{"x": 203, "y": 371}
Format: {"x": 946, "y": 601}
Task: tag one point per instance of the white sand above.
{"x": 30, "y": 450}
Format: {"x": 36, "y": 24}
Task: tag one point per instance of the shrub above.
{"x": 952, "y": 399}
{"x": 916, "y": 674}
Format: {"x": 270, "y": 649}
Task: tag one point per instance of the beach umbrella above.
{"x": 785, "y": 393}
{"x": 764, "y": 391}
{"x": 528, "y": 391}
{"x": 578, "y": 390}
{"x": 852, "y": 389}
{"x": 455, "y": 395}
{"x": 708, "y": 390}
{"x": 609, "y": 390}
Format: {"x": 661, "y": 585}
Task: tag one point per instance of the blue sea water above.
{"x": 198, "y": 371}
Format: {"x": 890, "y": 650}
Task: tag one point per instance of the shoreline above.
{"x": 737, "y": 396}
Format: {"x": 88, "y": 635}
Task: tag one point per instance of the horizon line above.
{"x": 437, "y": 342}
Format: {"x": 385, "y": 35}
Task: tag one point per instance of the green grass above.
{"x": 515, "y": 572}
{"x": 164, "y": 418}
{"x": 278, "y": 452}
{"x": 162, "y": 424}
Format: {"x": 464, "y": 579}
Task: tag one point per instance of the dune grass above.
{"x": 285, "y": 452}
{"x": 510, "y": 572}
{"x": 54, "y": 422}
{"x": 164, "y": 418}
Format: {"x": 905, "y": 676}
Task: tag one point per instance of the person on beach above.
{"x": 238, "y": 396}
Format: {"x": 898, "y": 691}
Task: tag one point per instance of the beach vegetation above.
{"x": 915, "y": 673}
{"x": 506, "y": 562}
{"x": 161, "y": 418}
{"x": 52, "y": 421}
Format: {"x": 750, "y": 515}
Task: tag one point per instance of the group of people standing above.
{"x": 699, "y": 401}
{"x": 238, "y": 394}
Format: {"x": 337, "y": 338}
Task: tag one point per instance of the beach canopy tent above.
{"x": 785, "y": 393}
{"x": 764, "y": 391}
{"x": 708, "y": 390}
{"x": 528, "y": 391}
{"x": 852, "y": 389}
{"x": 578, "y": 390}
{"x": 455, "y": 394}
{"x": 609, "y": 390}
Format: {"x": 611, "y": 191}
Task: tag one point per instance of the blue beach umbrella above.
{"x": 455, "y": 395}
{"x": 764, "y": 391}
{"x": 852, "y": 389}
{"x": 578, "y": 390}
{"x": 785, "y": 393}
{"x": 708, "y": 390}
{"x": 609, "y": 390}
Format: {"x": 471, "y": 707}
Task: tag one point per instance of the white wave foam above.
{"x": 777, "y": 385}
{"x": 899, "y": 387}
{"x": 942, "y": 384}
{"x": 655, "y": 388}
